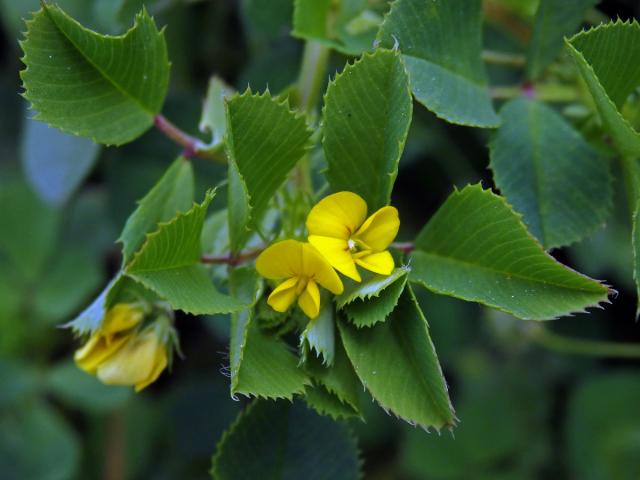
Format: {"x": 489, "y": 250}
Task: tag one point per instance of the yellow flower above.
{"x": 120, "y": 319}
{"x": 339, "y": 228}
{"x": 119, "y": 355}
{"x": 139, "y": 362}
{"x": 300, "y": 268}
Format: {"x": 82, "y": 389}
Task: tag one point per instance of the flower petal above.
{"x": 315, "y": 266}
{"x": 119, "y": 318}
{"x": 338, "y": 215}
{"x": 381, "y": 262}
{"x": 283, "y": 295}
{"x": 133, "y": 363}
{"x": 336, "y": 252}
{"x": 281, "y": 260}
{"x": 380, "y": 229}
{"x": 309, "y": 300}
{"x": 96, "y": 351}
{"x": 160, "y": 364}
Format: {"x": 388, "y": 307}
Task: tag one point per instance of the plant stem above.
{"x": 543, "y": 92}
{"x": 230, "y": 259}
{"x": 193, "y": 147}
{"x": 312, "y": 74}
{"x": 577, "y": 346}
{"x": 514, "y": 60}
{"x": 114, "y": 468}
{"x": 404, "y": 247}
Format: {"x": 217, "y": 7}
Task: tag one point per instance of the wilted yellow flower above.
{"x": 300, "y": 268}
{"x": 339, "y": 228}
{"x": 111, "y": 335}
{"x": 120, "y": 355}
{"x": 139, "y": 362}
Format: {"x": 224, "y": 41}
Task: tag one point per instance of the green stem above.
{"x": 549, "y": 92}
{"x": 312, "y": 76}
{"x": 631, "y": 174}
{"x": 560, "y": 343}
{"x": 514, "y": 60}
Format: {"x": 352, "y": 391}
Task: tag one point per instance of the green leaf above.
{"x": 376, "y": 308}
{"x": 319, "y": 335}
{"x": 264, "y": 141}
{"x": 338, "y": 379}
{"x": 102, "y": 87}
{"x": 608, "y": 60}
{"x": 172, "y": 194}
{"x": 168, "y": 264}
{"x": 284, "y": 441}
{"x": 36, "y": 427}
{"x": 610, "y": 66}
{"x": 347, "y": 26}
{"x": 80, "y": 390}
{"x": 396, "y": 361}
{"x": 367, "y": 113}
{"x": 326, "y": 403}
{"x": 441, "y": 43}
{"x": 371, "y": 286}
{"x": 550, "y": 174}
{"x": 476, "y": 248}
{"x": 603, "y": 428}
{"x": 261, "y": 365}
{"x": 214, "y": 118}
{"x": 552, "y": 22}
{"x": 55, "y": 164}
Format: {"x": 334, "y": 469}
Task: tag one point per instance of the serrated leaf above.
{"x": 319, "y": 335}
{"x": 367, "y": 113}
{"x": 214, "y": 118}
{"x": 371, "y": 286}
{"x": 609, "y": 63}
{"x": 451, "y": 85}
{"x": 264, "y": 141}
{"x": 106, "y": 88}
{"x": 55, "y": 163}
{"x": 168, "y": 264}
{"x": 261, "y": 365}
{"x": 284, "y": 441}
{"x": 339, "y": 378}
{"x": 396, "y": 361}
{"x": 550, "y": 174}
{"x": 552, "y": 22}
{"x": 347, "y": 26}
{"x": 476, "y": 248}
{"x": 375, "y": 309}
{"x": 172, "y": 194}
{"x": 326, "y": 403}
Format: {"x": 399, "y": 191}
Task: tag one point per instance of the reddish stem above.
{"x": 230, "y": 259}
{"x": 192, "y": 146}
{"x": 405, "y": 247}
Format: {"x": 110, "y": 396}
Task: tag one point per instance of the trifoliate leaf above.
{"x": 261, "y": 365}
{"x": 441, "y": 44}
{"x": 326, "y": 403}
{"x": 367, "y": 114}
{"x": 106, "y": 88}
{"x": 168, "y": 264}
{"x": 476, "y": 248}
{"x": 371, "y": 286}
{"x": 284, "y": 441}
{"x": 397, "y": 363}
{"x": 550, "y": 174}
{"x": 375, "y": 309}
{"x": 264, "y": 141}
{"x": 172, "y": 194}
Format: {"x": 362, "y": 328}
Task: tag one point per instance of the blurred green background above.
{"x": 526, "y": 411}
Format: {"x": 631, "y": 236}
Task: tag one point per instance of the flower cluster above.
{"x": 341, "y": 237}
{"x": 123, "y": 351}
